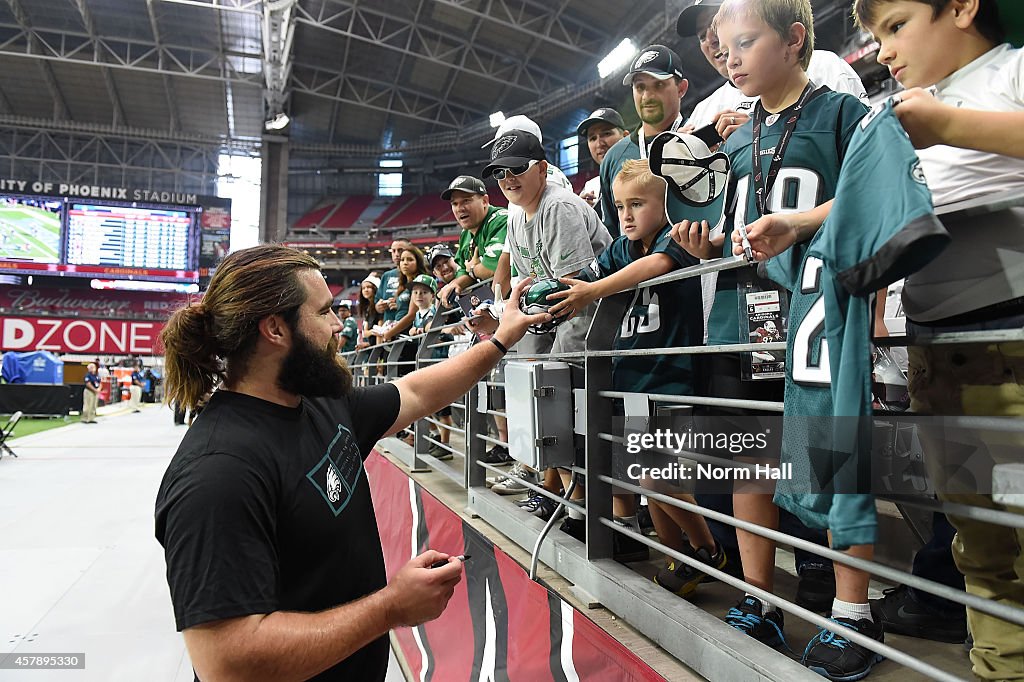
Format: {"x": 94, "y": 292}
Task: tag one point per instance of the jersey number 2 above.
{"x": 811, "y": 332}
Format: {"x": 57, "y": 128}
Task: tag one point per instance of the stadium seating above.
{"x": 424, "y": 218}
{"x": 346, "y": 215}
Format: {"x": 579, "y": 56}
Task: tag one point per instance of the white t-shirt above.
{"x": 985, "y": 263}
{"x": 827, "y": 68}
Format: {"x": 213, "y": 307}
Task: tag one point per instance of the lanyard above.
{"x": 643, "y": 141}
{"x": 763, "y": 186}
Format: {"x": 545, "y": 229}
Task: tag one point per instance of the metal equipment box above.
{"x": 539, "y": 405}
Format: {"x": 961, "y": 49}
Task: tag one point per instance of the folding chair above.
{"x": 5, "y": 433}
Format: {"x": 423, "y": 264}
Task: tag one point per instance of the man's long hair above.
{"x": 212, "y": 341}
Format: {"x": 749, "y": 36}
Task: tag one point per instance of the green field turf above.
{"x": 34, "y": 228}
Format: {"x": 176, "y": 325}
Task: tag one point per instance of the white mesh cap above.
{"x": 694, "y": 174}
{"x": 517, "y": 122}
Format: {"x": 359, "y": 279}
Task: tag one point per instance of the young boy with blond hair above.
{"x": 662, "y": 316}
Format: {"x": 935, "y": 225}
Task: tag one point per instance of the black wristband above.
{"x": 499, "y": 345}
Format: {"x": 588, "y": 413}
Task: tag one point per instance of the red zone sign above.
{"x": 77, "y": 335}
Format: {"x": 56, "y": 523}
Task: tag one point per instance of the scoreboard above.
{"x": 129, "y": 237}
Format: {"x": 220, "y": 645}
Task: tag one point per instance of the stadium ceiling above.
{"x": 356, "y": 76}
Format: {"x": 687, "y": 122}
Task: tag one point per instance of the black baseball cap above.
{"x": 655, "y": 60}
{"x": 686, "y": 24}
{"x": 514, "y": 149}
{"x": 602, "y": 115}
{"x": 438, "y": 251}
{"x": 464, "y": 183}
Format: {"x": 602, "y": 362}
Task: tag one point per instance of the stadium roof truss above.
{"x": 356, "y": 78}
{"x": 378, "y": 74}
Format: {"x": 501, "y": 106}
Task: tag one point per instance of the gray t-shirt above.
{"x": 563, "y": 237}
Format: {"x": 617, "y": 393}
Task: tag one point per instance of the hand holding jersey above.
{"x": 926, "y": 119}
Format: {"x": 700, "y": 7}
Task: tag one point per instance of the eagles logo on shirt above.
{"x": 337, "y": 474}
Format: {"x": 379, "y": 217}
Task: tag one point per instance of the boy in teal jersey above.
{"x": 663, "y": 316}
{"x": 785, "y": 164}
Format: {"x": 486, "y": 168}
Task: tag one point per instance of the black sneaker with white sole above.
{"x": 833, "y": 656}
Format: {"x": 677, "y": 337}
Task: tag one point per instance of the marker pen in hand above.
{"x": 747, "y": 251}
{"x": 444, "y": 562}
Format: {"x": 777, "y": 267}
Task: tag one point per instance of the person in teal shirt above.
{"x": 349, "y": 329}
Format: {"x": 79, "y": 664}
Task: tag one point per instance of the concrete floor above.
{"x": 80, "y": 569}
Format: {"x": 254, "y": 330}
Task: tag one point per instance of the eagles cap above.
{"x": 517, "y": 148}
{"x": 424, "y": 280}
{"x": 602, "y": 115}
{"x": 375, "y": 281}
{"x": 439, "y": 251}
{"x": 655, "y": 60}
{"x": 686, "y": 24}
{"x": 517, "y": 122}
{"x": 464, "y": 183}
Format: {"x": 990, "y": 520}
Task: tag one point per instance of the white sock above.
{"x": 629, "y": 521}
{"x": 845, "y": 609}
{"x": 765, "y": 606}
{"x": 573, "y": 514}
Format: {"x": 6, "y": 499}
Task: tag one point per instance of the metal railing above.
{"x": 698, "y": 638}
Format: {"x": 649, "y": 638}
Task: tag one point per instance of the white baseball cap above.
{"x": 517, "y": 122}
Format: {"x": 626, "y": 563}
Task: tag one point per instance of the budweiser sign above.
{"x": 65, "y": 335}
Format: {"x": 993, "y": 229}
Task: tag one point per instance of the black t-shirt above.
{"x": 266, "y": 508}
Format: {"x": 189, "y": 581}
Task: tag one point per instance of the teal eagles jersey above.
{"x": 807, "y": 178}
{"x": 662, "y": 316}
{"x": 489, "y": 240}
{"x": 387, "y": 289}
{"x": 423, "y": 317}
{"x": 629, "y": 148}
{"x": 881, "y": 228}
{"x": 402, "y": 301}
{"x": 350, "y": 332}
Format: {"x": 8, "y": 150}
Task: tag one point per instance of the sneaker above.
{"x": 530, "y": 503}
{"x": 576, "y": 528}
{"x": 766, "y": 628}
{"x": 497, "y": 456}
{"x": 643, "y": 519}
{"x": 439, "y": 453}
{"x": 545, "y": 508}
{"x": 899, "y": 612}
{"x": 817, "y": 588}
{"x": 513, "y": 483}
{"x": 627, "y": 550}
{"x": 682, "y": 579}
{"x": 837, "y": 658}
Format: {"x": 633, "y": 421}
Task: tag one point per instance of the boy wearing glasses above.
{"x": 556, "y": 235}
